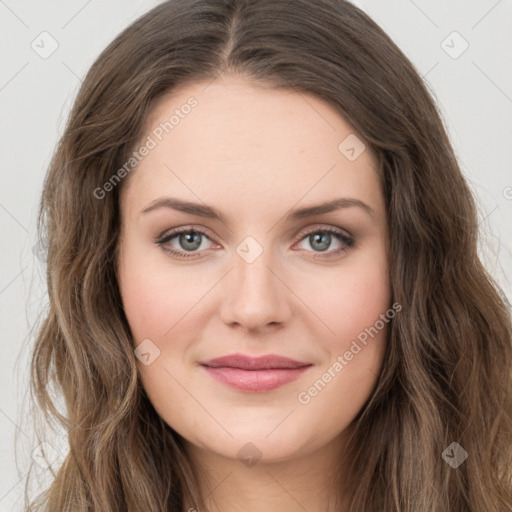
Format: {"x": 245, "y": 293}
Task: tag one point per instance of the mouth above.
{"x": 255, "y": 374}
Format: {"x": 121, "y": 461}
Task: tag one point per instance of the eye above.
{"x": 320, "y": 239}
{"x": 189, "y": 241}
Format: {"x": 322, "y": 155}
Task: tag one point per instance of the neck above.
{"x": 311, "y": 482}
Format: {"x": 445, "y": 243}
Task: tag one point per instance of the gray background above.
{"x": 472, "y": 88}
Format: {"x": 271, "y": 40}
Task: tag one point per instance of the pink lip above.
{"x": 255, "y": 373}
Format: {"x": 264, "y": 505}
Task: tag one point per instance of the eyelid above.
{"x": 323, "y": 227}
{"x": 183, "y": 229}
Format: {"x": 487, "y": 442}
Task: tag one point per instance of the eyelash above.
{"x": 162, "y": 241}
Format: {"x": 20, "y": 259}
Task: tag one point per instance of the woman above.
{"x": 264, "y": 284}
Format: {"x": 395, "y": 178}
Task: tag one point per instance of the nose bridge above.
{"x": 255, "y": 295}
{"x": 254, "y": 277}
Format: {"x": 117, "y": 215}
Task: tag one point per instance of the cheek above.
{"x": 155, "y": 297}
{"x": 144, "y": 305}
{"x": 353, "y": 298}
{"x": 359, "y": 313}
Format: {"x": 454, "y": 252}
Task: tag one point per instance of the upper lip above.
{"x": 267, "y": 362}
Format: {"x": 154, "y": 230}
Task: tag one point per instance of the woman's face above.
{"x": 263, "y": 278}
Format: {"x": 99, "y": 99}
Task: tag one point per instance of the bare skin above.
{"x": 255, "y": 154}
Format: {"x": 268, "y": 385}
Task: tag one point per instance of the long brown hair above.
{"x": 447, "y": 374}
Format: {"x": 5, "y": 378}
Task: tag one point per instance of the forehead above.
{"x": 243, "y": 143}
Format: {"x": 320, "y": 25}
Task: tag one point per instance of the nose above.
{"x": 254, "y": 295}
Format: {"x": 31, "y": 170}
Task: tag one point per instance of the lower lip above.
{"x": 255, "y": 380}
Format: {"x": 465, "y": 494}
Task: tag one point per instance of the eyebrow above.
{"x": 202, "y": 210}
